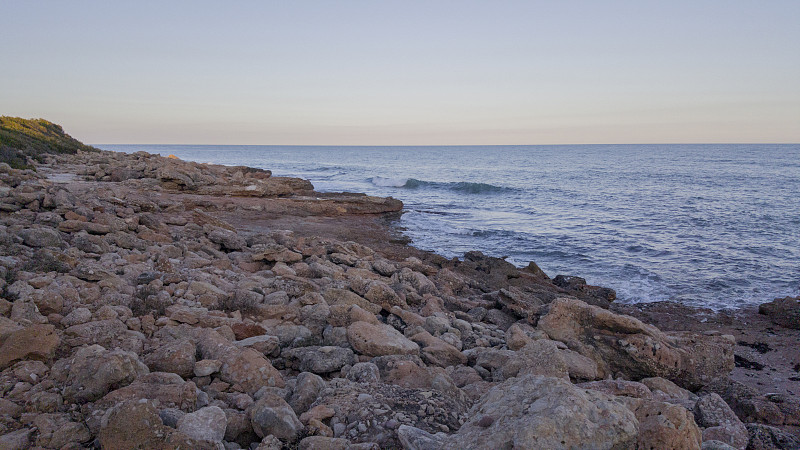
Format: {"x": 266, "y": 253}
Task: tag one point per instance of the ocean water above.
{"x": 706, "y": 225}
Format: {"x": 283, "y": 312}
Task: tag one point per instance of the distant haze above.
{"x": 405, "y": 72}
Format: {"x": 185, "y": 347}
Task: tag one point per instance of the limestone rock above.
{"x": 41, "y": 237}
{"x": 205, "y": 424}
{"x": 620, "y": 343}
{"x": 437, "y": 352}
{"x": 94, "y": 371}
{"x": 272, "y": 415}
{"x": 243, "y": 366}
{"x": 135, "y": 424}
{"x": 783, "y": 311}
{"x": 378, "y": 340}
{"x": 177, "y": 357}
{"x": 545, "y": 412}
{"x": 720, "y": 422}
{"x": 665, "y": 426}
{"x": 37, "y": 342}
{"x": 169, "y": 389}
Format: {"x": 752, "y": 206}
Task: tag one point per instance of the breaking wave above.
{"x": 465, "y": 187}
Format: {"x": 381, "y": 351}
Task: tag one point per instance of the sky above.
{"x": 405, "y": 72}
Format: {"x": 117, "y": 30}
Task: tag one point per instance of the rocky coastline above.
{"x": 149, "y": 302}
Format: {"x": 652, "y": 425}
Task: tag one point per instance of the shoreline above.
{"x": 167, "y": 267}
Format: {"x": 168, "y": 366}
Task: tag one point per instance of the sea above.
{"x": 715, "y": 226}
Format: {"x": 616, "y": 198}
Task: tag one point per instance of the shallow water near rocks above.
{"x": 706, "y": 225}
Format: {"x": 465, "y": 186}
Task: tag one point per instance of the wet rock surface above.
{"x": 149, "y": 302}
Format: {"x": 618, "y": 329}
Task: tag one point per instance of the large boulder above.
{"x": 378, "y": 340}
{"x": 177, "y": 357}
{"x": 94, "y": 371}
{"x": 205, "y": 424}
{"x": 783, "y": 311}
{"x": 544, "y": 412}
{"x": 272, "y": 415}
{"x": 665, "y": 426}
{"x": 720, "y": 422}
{"x": 37, "y": 342}
{"x": 243, "y": 366}
{"x": 136, "y": 425}
{"x": 623, "y": 344}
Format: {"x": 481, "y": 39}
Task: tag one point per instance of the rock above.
{"x": 272, "y": 415}
{"x": 544, "y": 412}
{"x": 168, "y": 389}
{"x": 364, "y": 373}
{"x": 720, "y": 422}
{"x": 57, "y": 430}
{"x": 77, "y": 316}
{"x": 378, "y": 340}
{"x": 276, "y": 253}
{"x": 413, "y": 438}
{"x": 623, "y": 388}
{"x": 177, "y": 357}
{"x": 246, "y": 367}
{"x": 437, "y": 352}
{"x": 41, "y": 237}
{"x": 306, "y": 391}
{"x": 540, "y": 357}
{"x": 748, "y": 405}
{"x": 321, "y": 360}
{"x": 783, "y": 311}
{"x": 136, "y": 424}
{"x": 206, "y": 367}
{"x": 36, "y": 342}
{"x": 765, "y": 437}
{"x": 665, "y": 426}
{"x": 619, "y": 343}
{"x": 227, "y": 239}
{"x": 205, "y": 424}
{"x": 716, "y": 445}
{"x": 381, "y": 294}
{"x": 267, "y": 345}
{"x": 94, "y": 371}
{"x": 17, "y": 440}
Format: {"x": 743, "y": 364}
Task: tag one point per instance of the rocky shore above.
{"x": 149, "y": 302}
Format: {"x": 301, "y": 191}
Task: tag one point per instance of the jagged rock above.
{"x": 246, "y": 367}
{"x": 177, "y": 357}
{"x": 412, "y": 438}
{"x": 748, "y": 405}
{"x": 36, "y": 342}
{"x": 94, "y": 371}
{"x": 57, "y": 431}
{"x": 227, "y": 239}
{"x": 664, "y": 426}
{"x": 41, "y": 237}
{"x": 17, "y": 440}
{"x": 783, "y": 311}
{"x": 169, "y": 389}
{"x": 136, "y": 424}
{"x": 306, "y": 391}
{"x": 321, "y": 360}
{"x": 544, "y": 412}
{"x": 624, "y": 344}
{"x": 378, "y": 340}
{"x": 437, "y": 352}
{"x": 765, "y": 437}
{"x": 272, "y": 415}
{"x": 720, "y": 422}
{"x": 205, "y": 424}
{"x": 365, "y": 372}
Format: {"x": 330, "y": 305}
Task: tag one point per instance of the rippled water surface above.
{"x": 711, "y": 225}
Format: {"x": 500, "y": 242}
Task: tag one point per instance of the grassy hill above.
{"x": 23, "y": 138}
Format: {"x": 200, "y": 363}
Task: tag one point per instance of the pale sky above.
{"x": 405, "y": 72}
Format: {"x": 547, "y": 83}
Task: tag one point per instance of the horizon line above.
{"x": 453, "y": 145}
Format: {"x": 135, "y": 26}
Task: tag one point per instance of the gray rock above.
{"x": 413, "y": 438}
{"x": 205, "y": 424}
{"x": 272, "y": 415}
{"x": 177, "y": 357}
{"x": 365, "y": 372}
{"x": 306, "y": 391}
{"x": 720, "y": 422}
{"x": 322, "y": 360}
{"x": 545, "y": 412}
{"x": 41, "y": 237}
{"x": 95, "y": 371}
{"x": 765, "y": 437}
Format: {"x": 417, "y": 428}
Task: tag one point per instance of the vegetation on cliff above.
{"x": 21, "y": 139}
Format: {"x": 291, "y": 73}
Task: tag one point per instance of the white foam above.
{"x": 389, "y": 181}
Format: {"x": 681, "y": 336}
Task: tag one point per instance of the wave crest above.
{"x": 458, "y": 186}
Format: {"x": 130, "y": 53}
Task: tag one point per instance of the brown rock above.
{"x": 136, "y": 425}
{"x": 620, "y": 343}
{"x": 666, "y": 426}
{"x": 177, "y": 357}
{"x": 783, "y": 311}
{"x": 437, "y": 352}
{"x": 37, "y": 342}
{"x": 378, "y": 340}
